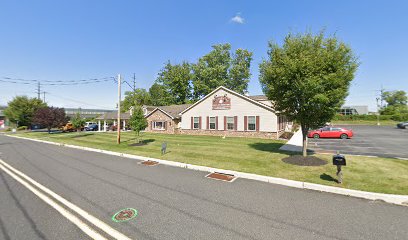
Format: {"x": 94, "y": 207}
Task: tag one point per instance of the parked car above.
{"x": 402, "y": 125}
{"x": 92, "y": 127}
{"x": 331, "y": 132}
{"x": 87, "y": 124}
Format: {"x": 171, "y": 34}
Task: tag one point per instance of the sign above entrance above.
{"x": 221, "y": 102}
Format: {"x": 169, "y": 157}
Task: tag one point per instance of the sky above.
{"x": 74, "y": 40}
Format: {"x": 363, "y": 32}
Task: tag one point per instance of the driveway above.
{"x": 381, "y": 141}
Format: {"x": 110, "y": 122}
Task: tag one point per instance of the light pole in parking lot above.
{"x": 378, "y": 112}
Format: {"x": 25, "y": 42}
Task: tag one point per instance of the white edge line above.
{"x": 98, "y": 223}
{"x": 390, "y": 198}
{"x": 80, "y": 224}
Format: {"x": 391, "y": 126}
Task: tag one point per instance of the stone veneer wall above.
{"x": 267, "y": 135}
{"x": 171, "y": 124}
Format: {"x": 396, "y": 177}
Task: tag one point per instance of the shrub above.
{"x": 22, "y": 128}
{"x": 400, "y": 117}
{"x": 361, "y": 117}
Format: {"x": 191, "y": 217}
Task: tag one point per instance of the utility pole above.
{"x": 44, "y": 96}
{"x": 378, "y": 112}
{"x": 39, "y": 91}
{"x": 119, "y": 98}
{"x": 134, "y": 82}
{"x": 382, "y": 96}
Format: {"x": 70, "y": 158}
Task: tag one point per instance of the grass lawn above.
{"x": 365, "y": 122}
{"x": 259, "y": 156}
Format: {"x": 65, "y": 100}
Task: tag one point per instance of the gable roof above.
{"x": 173, "y": 111}
{"x": 234, "y": 93}
{"x": 259, "y": 97}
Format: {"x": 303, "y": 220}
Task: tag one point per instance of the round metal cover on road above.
{"x": 124, "y": 215}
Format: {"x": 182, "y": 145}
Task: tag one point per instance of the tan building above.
{"x": 224, "y": 112}
{"x": 164, "y": 119}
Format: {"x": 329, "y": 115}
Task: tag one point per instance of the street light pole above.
{"x": 378, "y": 112}
{"x": 119, "y": 99}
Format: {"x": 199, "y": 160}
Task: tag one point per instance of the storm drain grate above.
{"x": 221, "y": 176}
{"x": 149, "y": 163}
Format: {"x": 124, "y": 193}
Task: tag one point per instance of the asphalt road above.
{"x": 381, "y": 141}
{"x": 176, "y": 203}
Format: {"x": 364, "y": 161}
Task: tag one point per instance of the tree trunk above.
{"x": 49, "y": 130}
{"x": 304, "y": 136}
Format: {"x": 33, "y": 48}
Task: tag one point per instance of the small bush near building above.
{"x": 22, "y": 128}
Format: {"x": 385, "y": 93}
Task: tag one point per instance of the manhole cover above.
{"x": 149, "y": 163}
{"x": 221, "y": 176}
{"x": 124, "y": 215}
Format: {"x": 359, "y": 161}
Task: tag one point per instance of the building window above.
{"x": 212, "y": 123}
{"x": 230, "y": 123}
{"x": 196, "y": 123}
{"x": 251, "y": 123}
{"x": 159, "y": 125}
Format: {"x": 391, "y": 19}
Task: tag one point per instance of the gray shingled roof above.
{"x": 113, "y": 116}
{"x": 258, "y": 97}
{"x": 172, "y": 110}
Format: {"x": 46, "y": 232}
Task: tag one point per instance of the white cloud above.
{"x": 238, "y": 19}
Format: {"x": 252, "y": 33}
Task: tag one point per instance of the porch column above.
{"x": 99, "y": 125}
{"x": 104, "y": 125}
{"x": 114, "y": 122}
{"x": 124, "y": 125}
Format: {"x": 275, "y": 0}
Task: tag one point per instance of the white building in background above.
{"x": 353, "y": 110}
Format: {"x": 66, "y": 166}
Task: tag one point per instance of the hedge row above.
{"x": 396, "y": 117}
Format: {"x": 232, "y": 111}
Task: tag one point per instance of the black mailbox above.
{"x": 339, "y": 160}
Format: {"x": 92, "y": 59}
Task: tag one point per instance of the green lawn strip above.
{"x": 251, "y": 155}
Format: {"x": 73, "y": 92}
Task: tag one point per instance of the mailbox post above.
{"x": 339, "y": 160}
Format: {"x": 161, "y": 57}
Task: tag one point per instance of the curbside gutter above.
{"x": 389, "y": 198}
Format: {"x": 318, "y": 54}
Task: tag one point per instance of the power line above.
{"x": 58, "y": 81}
{"x": 76, "y": 101}
{"x": 55, "y": 83}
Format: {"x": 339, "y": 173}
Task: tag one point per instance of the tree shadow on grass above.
{"x": 141, "y": 143}
{"x": 270, "y": 147}
{"x": 83, "y": 135}
{"x": 327, "y": 177}
{"x": 274, "y": 148}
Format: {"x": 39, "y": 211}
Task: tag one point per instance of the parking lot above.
{"x": 381, "y": 141}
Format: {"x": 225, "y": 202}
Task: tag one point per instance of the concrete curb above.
{"x": 389, "y": 198}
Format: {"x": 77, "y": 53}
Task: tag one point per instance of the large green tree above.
{"x": 218, "y": 68}
{"x": 239, "y": 73}
{"x": 396, "y": 102}
{"x": 137, "y": 97}
{"x": 137, "y": 121}
{"x": 176, "y": 81}
{"x": 159, "y": 96}
{"x": 21, "y": 110}
{"x": 308, "y": 78}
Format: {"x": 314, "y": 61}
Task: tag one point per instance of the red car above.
{"x": 331, "y": 132}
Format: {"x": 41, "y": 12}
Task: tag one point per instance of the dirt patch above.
{"x": 149, "y": 163}
{"x": 221, "y": 176}
{"x": 304, "y": 161}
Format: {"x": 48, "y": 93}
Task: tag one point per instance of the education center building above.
{"x": 223, "y": 112}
